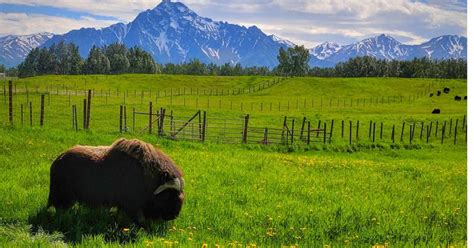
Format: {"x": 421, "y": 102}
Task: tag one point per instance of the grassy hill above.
{"x": 335, "y": 194}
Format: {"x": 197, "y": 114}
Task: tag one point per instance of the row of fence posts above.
{"x": 10, "y": 108}
{"x": 87, "y": 110}
{"x": 86, "y": 113}
{"x": 289, "y": 105}
{"x": 123, "y": 123}
{"x": 353, "y": 102}
{"x": 176, "y": 92}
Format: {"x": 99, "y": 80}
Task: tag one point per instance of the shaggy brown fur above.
{"x": 123, "y": 175}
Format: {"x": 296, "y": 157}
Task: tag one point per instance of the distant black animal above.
{"x": 457, "y": 98}
{"x": 436, "y": 111}
{"x": 438, "y": 93}
{"x": 431, "y": 95}
{"x": 465, "y": 98}
{"x": 130, "y": 174}
{"x": 446, "y": 90}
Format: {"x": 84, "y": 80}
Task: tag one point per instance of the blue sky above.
{"x": 308, "y": 22}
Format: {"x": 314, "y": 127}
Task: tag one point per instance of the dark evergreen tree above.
{"x": 117, "y": 55}
{"x": 140, "y": 61}
{"x": 97, "y": 62}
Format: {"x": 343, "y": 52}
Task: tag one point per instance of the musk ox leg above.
{"x": 140, "y": 218}
{"x": 59, "y": 193}
{"x": 137, "y": 216}
{"x": 58, "y": 199}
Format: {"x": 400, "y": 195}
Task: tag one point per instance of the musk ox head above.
{"x": 130, "y": 174}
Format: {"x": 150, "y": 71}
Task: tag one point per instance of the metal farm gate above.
{"x": 200, "y": 127}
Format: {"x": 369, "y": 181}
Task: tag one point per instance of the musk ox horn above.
{"x": 177, "y": 184}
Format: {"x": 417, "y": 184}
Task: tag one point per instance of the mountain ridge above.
{"x": 173, "y": 33}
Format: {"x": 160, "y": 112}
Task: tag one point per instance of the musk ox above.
{"x": 130, "y": 174}
{"x": 438, "y": 93}
{"x": 457, "y": 98}
{"x": 446, "y": 90}
{"x": 436, "y": 111}
{"x": 431, "y": 94}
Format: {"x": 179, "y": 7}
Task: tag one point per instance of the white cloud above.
{"x": 122, "y": 9}
{"x": 306, "y": 22}
{"x": 21, "y": 23}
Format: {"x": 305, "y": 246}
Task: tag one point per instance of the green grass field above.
{"x": 336, "y": 194}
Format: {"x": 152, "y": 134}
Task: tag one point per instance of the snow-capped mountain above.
{"x": 325, "y": 50}
{"x": 386, "y": 47}
{"x": 173, "y": 33}
{"x": 448, "y": 46}
{"x": 15, "y": 48}
{"x": 281, "y": 41}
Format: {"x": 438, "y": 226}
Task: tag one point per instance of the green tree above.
{"x": 284, "y": 66}
{"x": 29, "y": 67}
{"x": 294, "y": 61}
{"x": 140, "y": 61}
{"x": 97, "y": 62}
{"x": 117, "y": 55}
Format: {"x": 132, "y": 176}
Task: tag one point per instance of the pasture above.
{"x": 363, "y": 194}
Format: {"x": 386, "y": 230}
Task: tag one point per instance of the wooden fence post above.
{"x": 121, "y": 118}
{"x": 246, "y": 124}
{"x": 84, "y": 122}
{"x": 436, "y": 131}
{"x": 342, "y": 129}
{"x": 200, "y": 123}
{"x": 292, "y": 131}
{"x": 411, "y": 132}
{"x": 89, "y": 98}
{"x": 393, "y": 134}
{"x": 150, "y": 117}
{"x": 428, "y": 133}
{"x": 325, "y": 132}
{"x": 381, "y": 130}
{"x": 31, "y": 114}
{"x": 350, "y": 132}
{"x": 302, "y": 128}
{"x": 403, "y": 130}
{"x": 370, "y": 130}
{"x": 309, "y": 133}
{"x": 456, "y": 131}
{"x": 204, "y": 126}
{"x": 125, "y": 119}
{"x": 265, "y": 136}
{"x": 42, "y": 111}
{"x": 285, "y": 128}
{"x": 443, "y": 132}
{"x": 373, "y": 133}
{"x": 330, "y": 134}
{"x": 10, "y": 102}
{"x": 133, "y": 119}
{"x": 421, "y": 131}
{"x": 72, "y": 116}
{"x": 75, "y": 117}
{"x": 357, "y": 130}
{"x": 162, "y": 122}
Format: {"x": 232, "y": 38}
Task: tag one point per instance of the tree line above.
{"x": 417, "y": 68}
{"x": 64, "y": 59}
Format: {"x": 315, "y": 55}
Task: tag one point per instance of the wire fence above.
{"x": 26, "y": 109}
